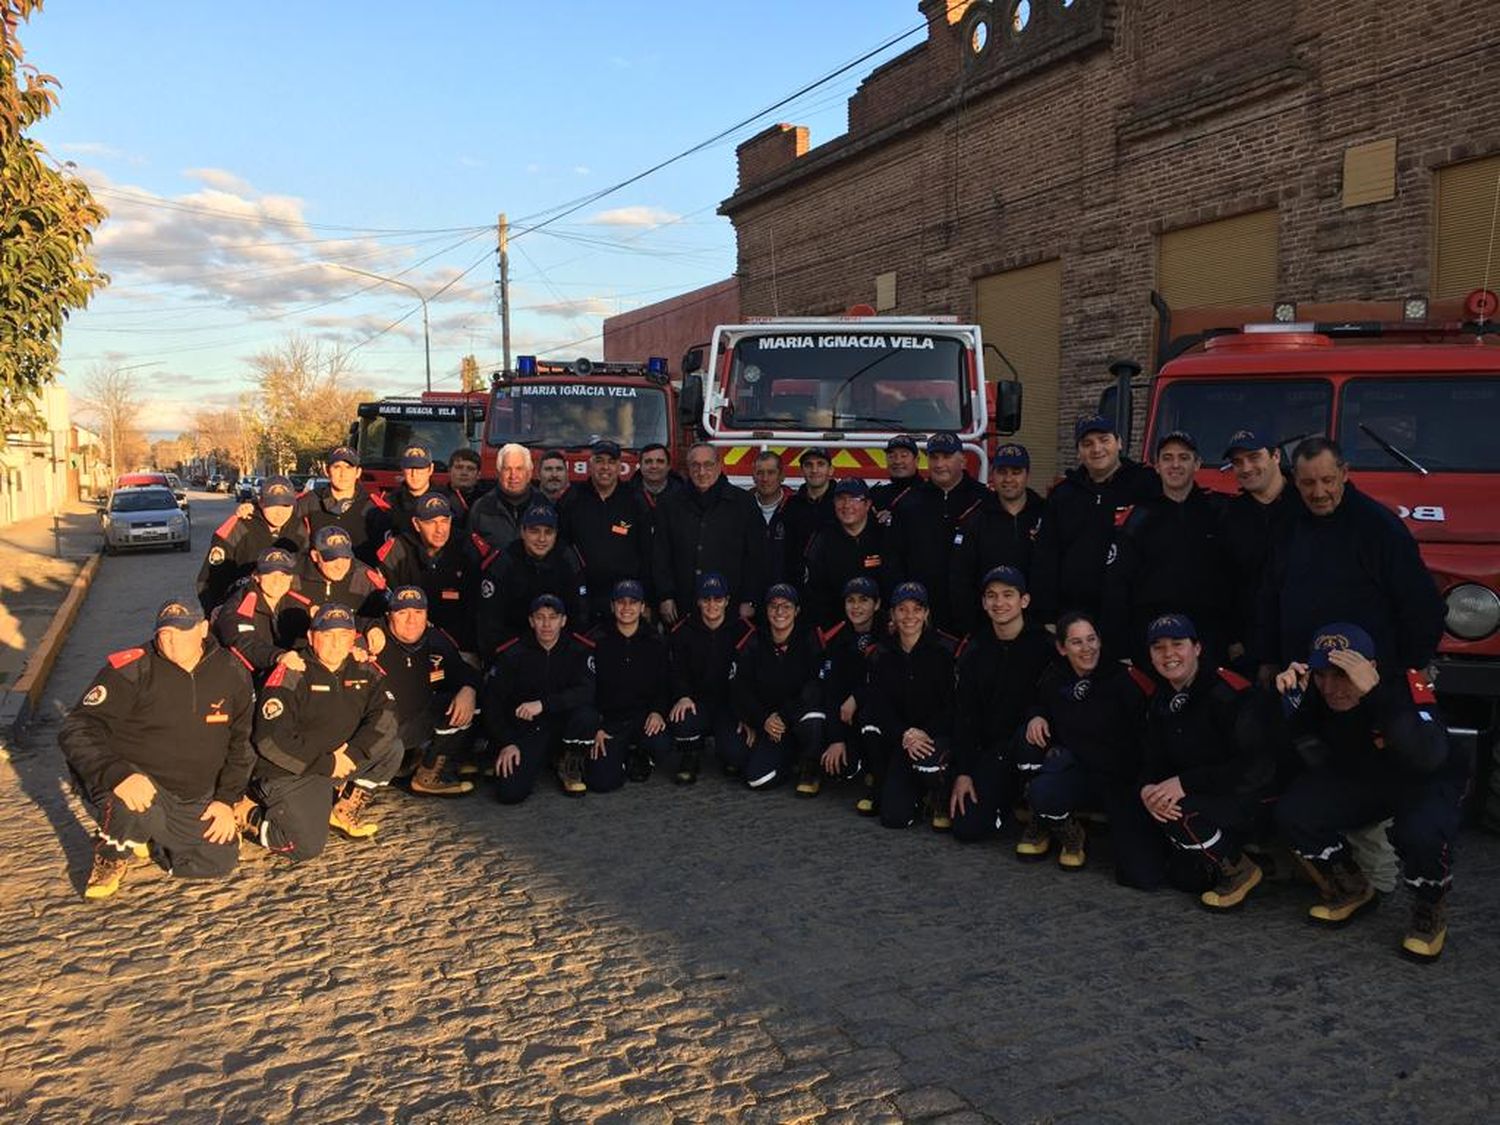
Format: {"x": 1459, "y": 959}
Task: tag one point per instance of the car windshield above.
{"x": 143, "y": 500}
{"x": 573, "y": 415}
{"x": 1443, "y": 424}
{"x": 1280, "y": 410}
{"x": 841, "y": 381}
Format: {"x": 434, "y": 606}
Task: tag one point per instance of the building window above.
{"x": 1020, "y": 312}
{"x": 1465, "y": 232}
{"x": 1228, "y": 262}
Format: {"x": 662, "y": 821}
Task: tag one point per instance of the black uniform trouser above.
{"x": 720, "y": 722}
{"x": 537, "y": 740}
{"x": 295, "y": 822}
{"x": 768, "y": 763}
{"x": 422, "y": 743}
{"x": 170, "y": 823}
{"x": 902, "y": 782}
{"x": 622, "y": 735}
{"x": 1064, "y": 785}
{"x": 1212, "y": 831}
{"x": 1323, "y": 803}
{"x": 995, "y": 789}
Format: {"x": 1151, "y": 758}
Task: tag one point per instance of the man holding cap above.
{"x": 630, "y": 694}
{"x": 535, "y": 564}
{"x": 610, "y": 528}
{"x": 1083, "y": 511}
{"x": 540, "y": 702}
{"x": 416, "y": 484}
{"x": 704, "y": 648}
{"x": 344, "y": 502}
{"x": 901, "y": 466}
{"x": 446, "y": 565}
{"x": 712, "y": 526}
{"x": 1170, "y": 556}
{"x": 932, "y": 526}
{"x": 325, "y": 735}
{"x": 264, "y": 624}
{"x": 1004, "y": 533}
{"x": 160, "y": 747}
{"x": 809, "y": 511}
{"x": 237, "y": 542}
{"x": 1254, "y": 519}
{"x": 433, "y": 691}
{"x": 1208, "y": 765}
{"x": 853, "y": 547}
{"x": 1374, "y": 747}
{"x": 774, "y": 684}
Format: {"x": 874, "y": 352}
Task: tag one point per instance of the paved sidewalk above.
{"x": 34, "y": 579}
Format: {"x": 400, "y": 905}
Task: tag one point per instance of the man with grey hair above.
{"x": 496, "y": 516}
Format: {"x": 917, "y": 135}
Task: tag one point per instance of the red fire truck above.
{"x": 1411, "y": 390}
{"x": 440, "y": 421}
{"x": 849, "y": 384}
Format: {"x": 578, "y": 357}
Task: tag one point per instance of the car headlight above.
{"x": 1473, "y": 611}
{"x": 177, "y": 523}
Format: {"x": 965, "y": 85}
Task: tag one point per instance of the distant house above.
{"x": 41, "y": 468}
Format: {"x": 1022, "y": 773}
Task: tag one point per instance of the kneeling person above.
{"x": 160, "y": 743}
{"x": 704, "y": 650}
{"x": 325, "y": 740}
{"x": 630, "y": 693}
{"x": 775, "y": 689}
{"x": 434, "y": 691}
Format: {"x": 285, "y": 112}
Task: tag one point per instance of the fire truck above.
{"x": 1411, "y": 391}
{"x": 440, "y": 421}
{"x": 848, "y": 384}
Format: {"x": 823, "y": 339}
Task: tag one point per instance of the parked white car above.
{"x": 138, "y": 518}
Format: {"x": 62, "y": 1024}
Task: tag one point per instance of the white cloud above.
{"x": 220, "y": 179}
{"x": 582, "y": 306}
{"x": 582, "y": 170}
{"x": 638, "y": 216}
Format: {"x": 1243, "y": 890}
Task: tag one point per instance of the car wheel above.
{"x": 185, "y": 545}
{"x": 110, "y": 549}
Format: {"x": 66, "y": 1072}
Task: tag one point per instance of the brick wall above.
{"x": 668, "y": 328}
{"x": 1104, "y": 124}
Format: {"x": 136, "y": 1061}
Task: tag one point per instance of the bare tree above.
{"x": 112, "y": 395}
{"x": 304, "y": 402}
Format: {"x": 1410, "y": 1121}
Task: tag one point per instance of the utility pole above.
{"x": 504, "y": 248}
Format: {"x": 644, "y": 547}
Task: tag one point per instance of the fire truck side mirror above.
{"x": 1007, "y": 406}
{"x": 694, "y": 359}
{"x": 690, "y": 402}
{"x": 472, "y": 420}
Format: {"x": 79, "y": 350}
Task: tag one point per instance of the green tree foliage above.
{"x": 47, "y": 220}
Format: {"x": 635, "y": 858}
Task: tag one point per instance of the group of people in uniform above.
{"x": 1207, "y": 672}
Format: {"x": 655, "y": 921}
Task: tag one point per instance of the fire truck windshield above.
{"x": 844, "y": 381}
{"x": 383, "y": 436}
{"x": 1443, "y": 424}
{"x": 1279, "y": 410}
{"x": 573, "y": 415}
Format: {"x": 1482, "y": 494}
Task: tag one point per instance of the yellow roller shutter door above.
{"x": 1020, "y": 312}
{"x": 1228, "y": 262}
{"x": 1465, "y": 211}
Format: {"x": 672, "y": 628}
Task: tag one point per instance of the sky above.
{"x": 246, "y": 152}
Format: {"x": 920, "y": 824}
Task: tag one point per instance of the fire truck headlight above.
{"x": 1473, "y": 611}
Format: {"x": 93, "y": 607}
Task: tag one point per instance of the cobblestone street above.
{"x": 687, "y": 955}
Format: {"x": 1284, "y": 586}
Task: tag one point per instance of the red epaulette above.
{"x": 505, "y": 645}
{"x": 385, "y": 549}
{"x": 1143, "y": 681}
{"x": 1233, "y": 679}
{"x": 277, "y": 676}
{"x": 745, "y": 639}
{"x": 118, "y": 660}
{"x": 824, "y": 636}
{"x": 223, "y": 530}
{"x": 1420, "y": 687}
{"x": 584, "y": 639}
{"x": 373, "y": 663}
{"x": 681, "y": 621}
{"x": 963, "y": 646}
{"x": 246, "y": 608}
{"x": 1122, "y": 514}
{"x": 376, "y": 578}
{"x": 300, "y": 597}
{"x": 242, "y": 659}
{"x": 379, "y": 500}
{"x": 481, "y": 545}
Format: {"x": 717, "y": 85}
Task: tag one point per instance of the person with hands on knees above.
{"x": 848, "y": 652}
{"x": 907, "y": 709}
{"x": 1208, "y": 765}
{"x": 630, "y": 694}
{"x": 160, "y": 747}
{"x": 1081, "y": 751}
{"x": 325, "y": 740}
{"x": 1374, "y": 747}
{"x": 704, "y": 650}
{"x": 539, "y": 700}
{"x": 774, "y": 687}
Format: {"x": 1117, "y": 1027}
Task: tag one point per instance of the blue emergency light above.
{"x": 656, "y": 365}
{"x": 526, "y": 365}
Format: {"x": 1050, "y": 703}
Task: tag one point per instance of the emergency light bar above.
{"x": 530, "y": 367}
{"x": 943, "y": 319}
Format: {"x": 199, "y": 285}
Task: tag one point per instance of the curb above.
{"x": 19, "y": 701}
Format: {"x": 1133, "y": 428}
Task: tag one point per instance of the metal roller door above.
{"x": 1020, "y": 312}
{"x": 1228, "y": 262}
{"x": 1466, "y": 215}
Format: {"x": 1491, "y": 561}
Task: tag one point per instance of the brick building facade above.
{"x": 1041, "y": 166}
{"x": 669, "y": 328}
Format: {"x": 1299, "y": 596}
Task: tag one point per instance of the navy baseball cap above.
{"x": 1243, "y": 441}
{"x": 902, "y": 441}
{"x": 548, "y": 601}
{"x": 944, "y": 441}
{"x": 1181, "y": 437}
{"x": 332, "y": 616}
{"x": 909, "y": 592}
{"x": 712, "y": 585}
{"x": 432, "y": 505}
{"x": 852, "y": 486}
{"x": 174, "y": 614}
{"x": 627, "y": 588}
{"x": 1340, "y": 635}
{"x": 1091, "y": 424}
{"x": 275, "y": 560}
{"x": 606, "y": 448}
{"x": 333, "y": 542}
{"x": 865, "y": 587}
{"x": 814, "y": 451}
{"x": 1176, "y": 626}
{"x": 408, "y": 597}
{"x": 542, "y": 515}
{"x": 345, "y": 454}
{"x": 1011, "y": 455}
{"x": 783, "y": 590}
{"x": 416, "y": 457}
{"x": 1006, "y": 575}
{"x": 277, "y": 492}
